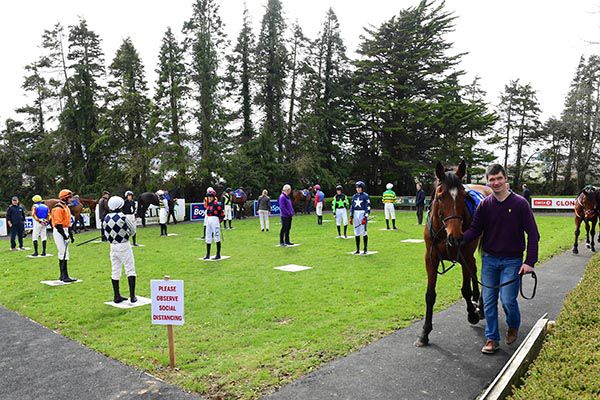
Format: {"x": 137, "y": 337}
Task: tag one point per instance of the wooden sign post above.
{"x": 167, "y": 308}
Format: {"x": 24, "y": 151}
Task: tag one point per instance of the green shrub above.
{"x": 568, "y": 366}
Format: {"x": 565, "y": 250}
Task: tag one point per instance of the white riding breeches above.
{"x": 121, "y": 255}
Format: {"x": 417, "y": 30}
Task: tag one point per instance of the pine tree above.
{"x": 169, "y": 116}
{"x": 240, "y": 80}
{"x": 11, "y": 138}
{"x": 38, "y": 159}
{"x": 81, "y": 114}
{"x": 408, "y": 99}
{"x": 130, "y": 147}
{"x": 272, "y": 70}
{"x": 205, "y": 41}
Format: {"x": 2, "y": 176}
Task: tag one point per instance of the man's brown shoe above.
{"x": 491, "y": 346}
{"x": 511, "y": 335}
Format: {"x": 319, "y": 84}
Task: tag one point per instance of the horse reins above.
{"x": 435, "y": 238}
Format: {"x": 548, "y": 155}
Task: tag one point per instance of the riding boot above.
{"x": 131, "y": 280}
{"x": 339, "y": 230}
{"x": 345, "y": 231}
{"x": 387, "y": 224}
{"x": 43, "y": 248}
{"x": 357, "y": 238}
{"x": 204, "y": 234}
{"x": 66, "y": 277}
{"x": 62, "y": 269}
{"x": 207, "y": 252}
{"x": 118, "y": 298}
{"x": 35, "y": 248}
{"x": 230, "y": 225}
{"x": 394, "y": 224}
{"x": 133, "y": 238}
{"x": 366, "y": 241}
{"x": 218, "y": 256}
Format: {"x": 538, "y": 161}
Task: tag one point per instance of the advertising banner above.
{"x": 553, "y": 203}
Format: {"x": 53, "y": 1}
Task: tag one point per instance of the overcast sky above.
{"x": 535, "y": 40}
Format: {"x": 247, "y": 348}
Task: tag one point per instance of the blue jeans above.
{"x": 496, "y": 271}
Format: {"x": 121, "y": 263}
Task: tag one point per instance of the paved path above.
{"x": 452, "y": 367}
{"x": 38, "y": 364}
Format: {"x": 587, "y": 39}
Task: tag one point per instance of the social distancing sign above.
{"x": 167, "y": 302}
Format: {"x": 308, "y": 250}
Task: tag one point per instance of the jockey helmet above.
{"x": 360, "y": 184}
{"x": 115, "y": 202}
{"x": 389, "y": 186}
{"x": 65, "y": 193}
{"x": 129, "y": 192}
{"x": 339, "y": 187}
{"x": 37, "y": 198}
{"x": 317, "y": 187}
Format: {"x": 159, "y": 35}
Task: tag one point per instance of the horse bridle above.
{"x": 459, "y": 256}
{"x": 592, "y": 211}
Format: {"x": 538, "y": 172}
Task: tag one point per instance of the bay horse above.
{"x": 238, "y": 199}
{"x": 75, "y": 209}
{"x": 447, "y": 219}
{"x": 586, "y": 211}
{"x": 145, "y": 200}
{"x": 301, "y": 200}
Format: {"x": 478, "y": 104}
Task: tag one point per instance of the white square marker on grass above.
{"x": 287, "y": 245}
{"x": 292, "y": 268}
{"x": 172, "y": 234}
{"x": 213, "y": 258}
{"x": 59, "y": 283}
{"x": 412, "y": 241}
{"x": 96, "y": 241}
{"x": 362, "y": 254}
{"x": 47, "y": 255}
{"x": 141, "y": 301}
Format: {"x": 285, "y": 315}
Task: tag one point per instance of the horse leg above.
{"x": 587, "y": 233}
{"x": 467, "y": 292}
{"x": 577, "y": 224}
{"x": 592, "y": 234}
{"x": 430, "y": 296}
{"x": 477, "y": 297}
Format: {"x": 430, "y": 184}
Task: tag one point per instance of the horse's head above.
{"x": 588, "y": 199}
{"x": 449, "y": 207}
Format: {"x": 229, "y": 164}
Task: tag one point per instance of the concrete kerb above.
{"x": 510, "y": 376}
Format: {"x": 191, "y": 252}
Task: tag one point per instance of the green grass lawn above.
{"x": 249, "y": 328}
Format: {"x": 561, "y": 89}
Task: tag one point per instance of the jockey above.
{"x": 163, "y": 211}
{"x": 227, "y": 203}
{"x": 61, "y": 222}
{"x": 129, "y": 210}
{"x": 117, "y": 230}
{"x": 340, "y": 205}
{"x": 319, "y": 201}
{"x": 40, "y": 214}
{"x": 359, "y": 214}
{"x": 209, "y": 190}
{"x": 213, "y": 215}
{"x": 389, "y": 198}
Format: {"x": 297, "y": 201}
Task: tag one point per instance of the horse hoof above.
{"x": 473, "y": 318}
{"x": 575, "y": 251}
{"x": 587, "y": 245}
{"x": 421, "y": 342}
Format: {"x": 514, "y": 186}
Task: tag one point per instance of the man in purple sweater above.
{"x": 503, "y": 219}
{"x": 287, "y": 212}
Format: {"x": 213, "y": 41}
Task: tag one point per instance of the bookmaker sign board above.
{"x": 553, "y": 203}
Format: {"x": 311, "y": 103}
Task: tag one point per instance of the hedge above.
{"x": 568, "y": 366}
